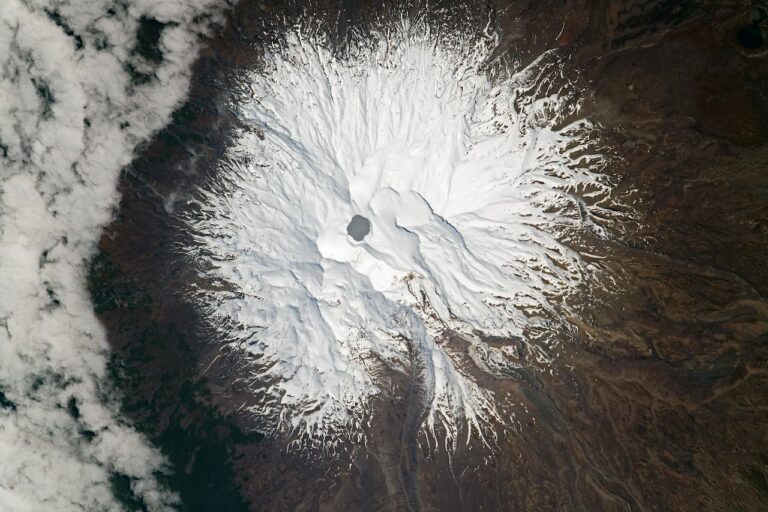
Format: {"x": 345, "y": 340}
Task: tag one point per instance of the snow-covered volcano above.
{"x": 464, "y": 171}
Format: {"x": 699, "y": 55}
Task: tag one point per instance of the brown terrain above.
{"x": 658, "y": 399}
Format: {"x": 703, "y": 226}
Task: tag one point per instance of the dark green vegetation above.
{"x": 5, "y": 403}
{"x": 166, "y": 401}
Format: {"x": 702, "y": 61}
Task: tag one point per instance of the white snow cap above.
{"x": 464, "y": 178}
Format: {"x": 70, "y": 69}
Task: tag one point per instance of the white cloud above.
{"x": 70, "y": 117}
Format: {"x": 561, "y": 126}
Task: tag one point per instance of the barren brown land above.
{"x": 658, "y": 397}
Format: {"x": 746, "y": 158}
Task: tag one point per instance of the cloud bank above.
{"x": 82, "y": 82}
